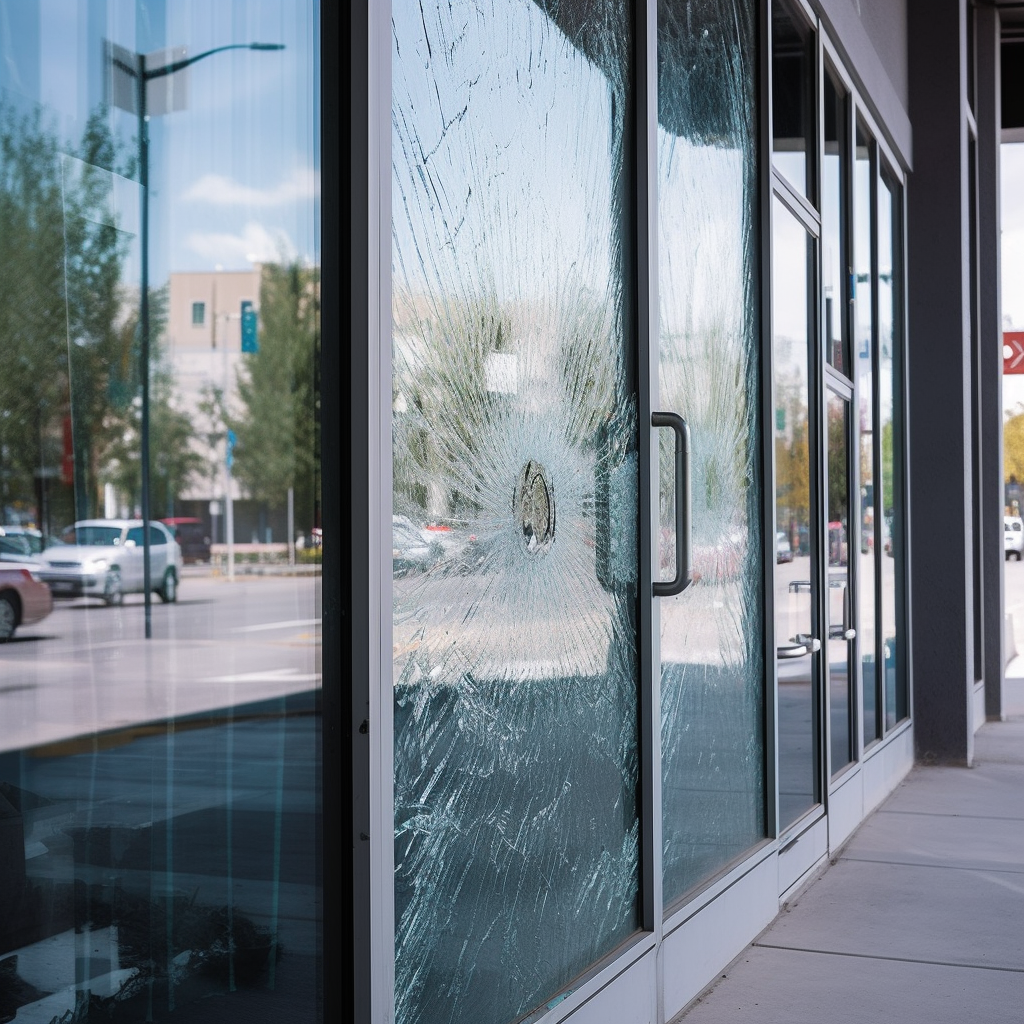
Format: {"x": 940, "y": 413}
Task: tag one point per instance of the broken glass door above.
{"x": 514, "y": 449}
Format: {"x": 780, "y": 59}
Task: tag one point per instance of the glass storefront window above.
{"x": 891, "y": 590}
{"x": 712, "y": 671}
{"x": 160, "y": 715}
{"x": 865, "y": 374}
{"x": 514, "y": 504}
{"x": 834, "y": 206}
{"x": 796, "y": 578}
{"x": 793, "y": 105}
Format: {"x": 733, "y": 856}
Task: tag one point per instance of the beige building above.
{"x": 204, "y": 343}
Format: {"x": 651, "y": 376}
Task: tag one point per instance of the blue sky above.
{"x": 234, "y": 177}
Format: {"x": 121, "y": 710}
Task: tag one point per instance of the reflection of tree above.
{"x": 792, "y": 461}
{"x": 68, "y": 336}
{"x": 837, "y": 485}
{"x": 888, "y": 494}
{"x": 278, "y": 440}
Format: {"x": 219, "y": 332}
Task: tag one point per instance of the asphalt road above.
{"x": 88, "y": 668}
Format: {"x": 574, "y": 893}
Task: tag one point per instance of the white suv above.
{"x": 104, "y": 558}
{"x": 1013, "y": 536}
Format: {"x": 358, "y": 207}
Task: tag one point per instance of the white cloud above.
{"x": 302, "y": 185}
{"x": 254, "y": 245}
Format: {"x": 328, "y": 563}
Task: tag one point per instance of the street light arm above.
{"x": 168, "y": 69}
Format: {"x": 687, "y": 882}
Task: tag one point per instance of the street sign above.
{"x": 250, "y": 342}
{"x": 1013, "y": 351}
{"x": 232, "y": 441}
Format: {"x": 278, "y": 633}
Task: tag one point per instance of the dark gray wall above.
{"x": 987, "y": 30}
{"x": 872, "y": 37}
{"x": 885, "y": 22}
{"x": 939, "y": 370}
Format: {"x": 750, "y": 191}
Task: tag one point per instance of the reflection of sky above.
{"x": 232, "y": 176}
{"x": 483, "y": 201}
{"x": 700, "y": 213}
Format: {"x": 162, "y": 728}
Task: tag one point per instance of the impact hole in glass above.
{"x": 534, "y": 508}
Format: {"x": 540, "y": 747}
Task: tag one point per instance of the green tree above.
{"x": 174, "y": 459}
{"x": 278, "y": 438}
{"x": 62, "y": 307}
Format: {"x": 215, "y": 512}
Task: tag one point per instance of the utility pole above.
{"x": 134, "y": 66}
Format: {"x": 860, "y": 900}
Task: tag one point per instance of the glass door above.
{"x": 798, "y": 545}
{"x": 841, "y": 631}
{"x": 515, "y": 497}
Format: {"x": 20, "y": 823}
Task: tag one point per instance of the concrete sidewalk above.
{"x": 920, "y": 920}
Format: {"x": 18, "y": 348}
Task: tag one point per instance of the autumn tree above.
{"x": 1013, "y": 447}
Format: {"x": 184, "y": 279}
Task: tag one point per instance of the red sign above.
{"x": 67, "y": 462}
{"x": 1013, "y": 351}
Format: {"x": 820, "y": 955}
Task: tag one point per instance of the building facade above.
{"x": 684, "y": 346}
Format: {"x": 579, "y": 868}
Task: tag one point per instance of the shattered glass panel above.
{"x": 711, "y": 648}
{"x": 514, "y": 529}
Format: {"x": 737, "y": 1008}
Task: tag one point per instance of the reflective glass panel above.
{"x": 895, "y": 682}
{"x": 514, "y": 504}
{"x": 834, "y": 264}
{"x": 840, "y": 617}
{"x": 793, "y": 106}
{"x": 796, "y": 586}
{"x": 863, "y": 344}
{"x": 711, "y": 647}
{"x": 159, "y": 697}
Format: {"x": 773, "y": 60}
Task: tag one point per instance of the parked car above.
{"x": 783, "y": 549}
{"x": 104, "y": 558}
{"x": 15, "y": 546}
{"x": 412, "y": 550}
{"x": 192, "y": 538}
{"x": 1013, "y": 536}
{"x": 33, "y": 538}
{"x": 24, "y": 598}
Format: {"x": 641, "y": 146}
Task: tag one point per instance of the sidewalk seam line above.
{"x": 969, "y": 817}
{"x": 947, "y": 867}
{"x": 893, "y": 959}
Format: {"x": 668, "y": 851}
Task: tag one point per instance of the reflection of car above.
{"x": 1013, "y": 536}
{"x": 192, "y": 538}
{"x": 104, "y": 558}
{"x": 24, "y": 598}
{"x": 33, "y": 538}
{"x": 411, "y": 551}
{"x": 15, "y": 546}
{"x": 783, "y": 549}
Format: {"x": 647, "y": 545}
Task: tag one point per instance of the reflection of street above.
{"x": 86, "y": 668}
{"x": 1013, "y": 596}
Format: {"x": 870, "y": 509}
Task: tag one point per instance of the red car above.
{"x": 24, "y": 598}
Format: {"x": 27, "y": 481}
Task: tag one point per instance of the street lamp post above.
{"x": 143, "y": 76}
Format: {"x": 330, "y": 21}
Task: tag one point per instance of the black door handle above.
{"x": 682, "y": 468}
